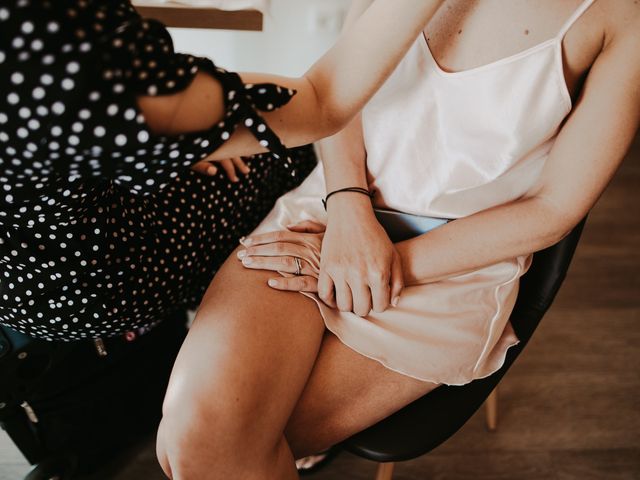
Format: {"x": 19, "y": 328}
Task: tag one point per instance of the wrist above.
{"x": 349, "y": 203}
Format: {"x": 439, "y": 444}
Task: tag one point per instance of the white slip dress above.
{"x": 449, "y": 145}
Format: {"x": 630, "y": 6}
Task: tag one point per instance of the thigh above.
{"x": 247, "y": 356}
{"x": 346, "y": 393}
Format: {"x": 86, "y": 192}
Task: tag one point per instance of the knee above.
{"x": 188, "y": 443}
{"x": 201, "y": 438}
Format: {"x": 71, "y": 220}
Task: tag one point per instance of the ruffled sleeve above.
{"x": 137, "y": 58}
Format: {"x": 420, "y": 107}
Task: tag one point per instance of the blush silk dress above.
{"x": 448, "y": 145}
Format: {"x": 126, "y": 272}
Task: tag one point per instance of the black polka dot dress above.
{"x": 104, "y": 228}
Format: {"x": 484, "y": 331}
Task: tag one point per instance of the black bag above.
{"x": 75, "y": 408}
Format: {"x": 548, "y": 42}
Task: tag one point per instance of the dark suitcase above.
{"x": 72, "y": 407}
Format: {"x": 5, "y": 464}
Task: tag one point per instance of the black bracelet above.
{"x": 364, "y": 191}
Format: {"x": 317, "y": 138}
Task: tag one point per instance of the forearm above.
{"x": 329, "y": 95}
{"x": 483, "y": 239}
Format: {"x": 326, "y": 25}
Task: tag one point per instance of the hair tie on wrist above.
{"x": 361, "y": 190}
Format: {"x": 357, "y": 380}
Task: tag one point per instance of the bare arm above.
{"x": 329, "y": 94}
{"x": 586, "y": 154}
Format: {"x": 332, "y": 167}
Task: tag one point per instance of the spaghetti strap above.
{"x": 576, "y": 15}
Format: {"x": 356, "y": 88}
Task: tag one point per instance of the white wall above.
{"x": 295, "y": 34}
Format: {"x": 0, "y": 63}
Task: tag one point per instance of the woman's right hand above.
{"x": 360, "y": 269}
{"x": 231, "y": 166}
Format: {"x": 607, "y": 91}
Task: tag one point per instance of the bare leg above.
{"x": 345, "y": 394}
{"x": 252, "y": 366}
{"x": 237, "y": 379}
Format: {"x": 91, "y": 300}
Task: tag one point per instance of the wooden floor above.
{"x": 569, "y": 408}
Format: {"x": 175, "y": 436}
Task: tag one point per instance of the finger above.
{"x": 308, "y": 226}
{"x": 277, "y": 264}
{"x": 205, "y": 168}
{"x": 276, "y": 249}
{"x": 274, "y": 237}
{"x": 397, "y": 279}
{"x": 241, "y": 165}
{"x": 326, "y": 290}
{"x": 361, "y": 297}
{"x": 344, "y": 298}
{"x": 380, "y": 296}
{"x": 303, "y": 283}
{"x": 229, "y": 169}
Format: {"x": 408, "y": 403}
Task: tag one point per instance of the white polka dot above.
{"x": 2, "y": 56}
{"x": 4, "y": 14}
{"x": 48, "y": 59}
{"x": 73, "y": 67}
{"x": 23, "y": 132}
{"x": 112, "y": 109}
{"x": 3, "y": 118}
{"x": 121, "y": 140}
{"x": 46, "y": 79}
{"x": 143, "y": 136}
{"x": 52, "y": 27}
{"x": 18, "y": 42}
{"x": 58, "y": 108}
{"x": 99, "y": 131}
{"x": 225, "y": 136}
{"x": 24, "y": 112}
{"x": 38, "y": 93}
{"x": 37, "y": 45}
{"x": 264, "y": 143}
{"x": 84, "y": 114}
{"x": 17, "y": 78}
{"x": 67, "y": 84}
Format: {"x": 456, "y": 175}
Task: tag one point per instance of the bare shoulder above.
{"x": 623, "y": 24}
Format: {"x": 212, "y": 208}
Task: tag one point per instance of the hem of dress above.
{"x": 385, "y": 364}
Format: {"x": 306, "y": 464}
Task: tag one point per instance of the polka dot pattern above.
{"x": 103, "y": 226}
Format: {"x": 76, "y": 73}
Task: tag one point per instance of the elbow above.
{"x": 333, "y": 114}
{"x": 559, "y": 222}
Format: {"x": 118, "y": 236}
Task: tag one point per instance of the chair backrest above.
{"x": 432, "y": 419}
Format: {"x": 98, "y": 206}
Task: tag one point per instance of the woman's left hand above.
{"x": 278, "y": 251}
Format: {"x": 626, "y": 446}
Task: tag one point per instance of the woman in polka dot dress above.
{"x": 104, "y": 227}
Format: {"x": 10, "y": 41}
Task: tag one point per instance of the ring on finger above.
{"x": 298, "y": 266}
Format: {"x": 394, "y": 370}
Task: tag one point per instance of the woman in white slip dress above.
{"x": 515, "y": 150}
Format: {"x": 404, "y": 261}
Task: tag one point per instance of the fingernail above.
{"x": 246, "y": 242}
{"x": 212, "y": 170}
{"x": 272, "y": 282}
{"x": 395, "y": 301}
{"x": 247, "y": 261}
{"x": 291, "y": 225}
{"x": 242, "y": 253}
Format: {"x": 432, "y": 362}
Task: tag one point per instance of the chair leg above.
{"x": 385, "y": 471}
{"x": 491, "y": 406}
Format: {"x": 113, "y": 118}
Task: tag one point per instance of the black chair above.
{"x": 428, "y": 422}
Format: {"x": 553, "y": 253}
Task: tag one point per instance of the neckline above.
{"x": 501, "y": 61}
{"x": 556, "y": 42}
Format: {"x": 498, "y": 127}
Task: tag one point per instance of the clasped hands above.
{"x": 351, "y": 263}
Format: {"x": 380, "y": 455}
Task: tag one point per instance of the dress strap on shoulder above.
{"x": 584, "y": 6}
